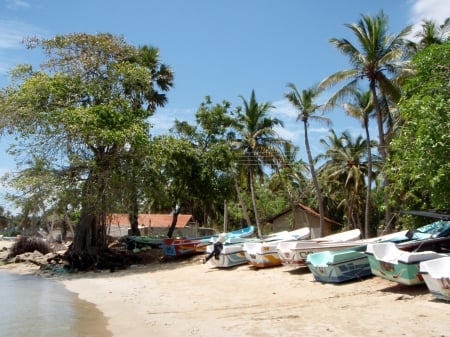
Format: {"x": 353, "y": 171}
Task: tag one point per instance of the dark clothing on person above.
{"x": 218, "y": 246}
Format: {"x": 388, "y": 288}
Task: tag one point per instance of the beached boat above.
{"x": 189, "y": 246}
{"x": 294, "y": 253}
{"x": 232, "y": 253}
{"x": 401, "y": 262}
{"x": 265, "y": 253}
{"x": 344, "y": 265}
{"x": 436, "y": 274}
{"x": 142, "y": 242}
{"x": 339, "y": 266}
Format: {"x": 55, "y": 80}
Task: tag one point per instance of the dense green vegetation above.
{"x": 85, "y": 148}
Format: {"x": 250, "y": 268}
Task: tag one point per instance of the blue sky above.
{"x": 219, "y": 48}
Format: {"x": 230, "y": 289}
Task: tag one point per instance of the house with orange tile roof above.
{"x": 155, "y": 225}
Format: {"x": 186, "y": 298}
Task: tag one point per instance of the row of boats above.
{"x": 406, "y": 257}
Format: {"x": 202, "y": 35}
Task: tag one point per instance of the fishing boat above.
{"x": 294, "y": 253}
{"x": 190, "y": 246}
{"x": 436, "y": 274}
{"x": 232, "y": 253}
{"x": 353, "y": 263}
{"x": 347, "y": 264}
{"x": 401, "y": 262}
{"x": 265, "y": 253}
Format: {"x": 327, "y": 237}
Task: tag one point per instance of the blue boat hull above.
{"x": 356, "y": 267}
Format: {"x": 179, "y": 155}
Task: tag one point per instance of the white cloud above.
{"x": 285, "y": 109}
{"x": 12, "y": 34}
{"x": 436, "y": 10}
{"x": 16, "y": 4}
{"x": 163, "y": 119}
{"x": 430, "y": 9}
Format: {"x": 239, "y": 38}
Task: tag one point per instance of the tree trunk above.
{"x": 315, "y": 181}
{"x": 382, "y": 151}
{"x": 83, "y": 252}
{"x": 175, "y": 213}
{"x": 242, "y": 203}
{"x": 225, "y": 216}
{"x": 255, "y": 209}
{"x": 133, "y": 214}
{"x": 369, "y": 181}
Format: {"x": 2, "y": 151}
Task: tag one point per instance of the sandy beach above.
{"x": 187, "y": 298}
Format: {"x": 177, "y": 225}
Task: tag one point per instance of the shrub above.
{"x": 28, "y": 245}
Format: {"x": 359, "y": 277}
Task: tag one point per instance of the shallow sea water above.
{"x": 34, "y": 306}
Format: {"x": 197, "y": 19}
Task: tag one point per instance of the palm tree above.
{"x": 304, "y": 103}
{"x": 431, "y": 33}
{"x": 361, "y": 108}
{"x": 290, "y": 177}
{"x": 346, "y": 168}
{"x": 380, "y": 54}
{"x": 257, "y": 142}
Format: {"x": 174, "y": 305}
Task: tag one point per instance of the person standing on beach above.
{"x": 218, "y": 246}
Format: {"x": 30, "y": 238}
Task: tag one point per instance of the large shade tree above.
{"x": 80, "y": 113}
{"x": 376, "y": 56}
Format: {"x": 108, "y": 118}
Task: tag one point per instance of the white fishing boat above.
{"x": 265, "y": 253}
{"x": 400, "y": 262}
{"x": 294, "y": 253}
{"x": 436, "y": 274}
{"x": 347, "y": 264}
{"x": 232, "y": 253}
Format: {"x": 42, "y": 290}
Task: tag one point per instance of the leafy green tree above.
{"x": 377, "y": 56}
{"x": 419, "y": 166}
{"x": 209, "y": 137}
{"x": 307, "y": 108}
{"x": 256, "y": 142}
{"x": 80, "y": 114}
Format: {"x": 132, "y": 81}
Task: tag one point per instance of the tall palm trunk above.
{"x": 369, "y": 180}
{"x": 255, "y": 209}
{"x": 314, "y": 178}
{"x": 382, "y": 150}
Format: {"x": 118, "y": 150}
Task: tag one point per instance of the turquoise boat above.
{"x": 339, "y": 266}
{"x": 353, "y": 263}
{"x": 400, "y": 263}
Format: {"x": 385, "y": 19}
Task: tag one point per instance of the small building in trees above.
{"x": 304, "y": 217}
{"x": 156, "y": 225}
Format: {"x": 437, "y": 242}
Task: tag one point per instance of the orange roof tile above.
{"x": 150, "y": 220}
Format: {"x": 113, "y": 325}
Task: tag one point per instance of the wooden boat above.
{"x": 294, "y": 253}
{"x": 189, "y": 246}
{"x": 265, "y": 253}
{"x": 401, "y": 262}
{"x": 436, "y": 274}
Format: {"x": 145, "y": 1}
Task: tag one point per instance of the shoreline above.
{"x": 187, "y": 298}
